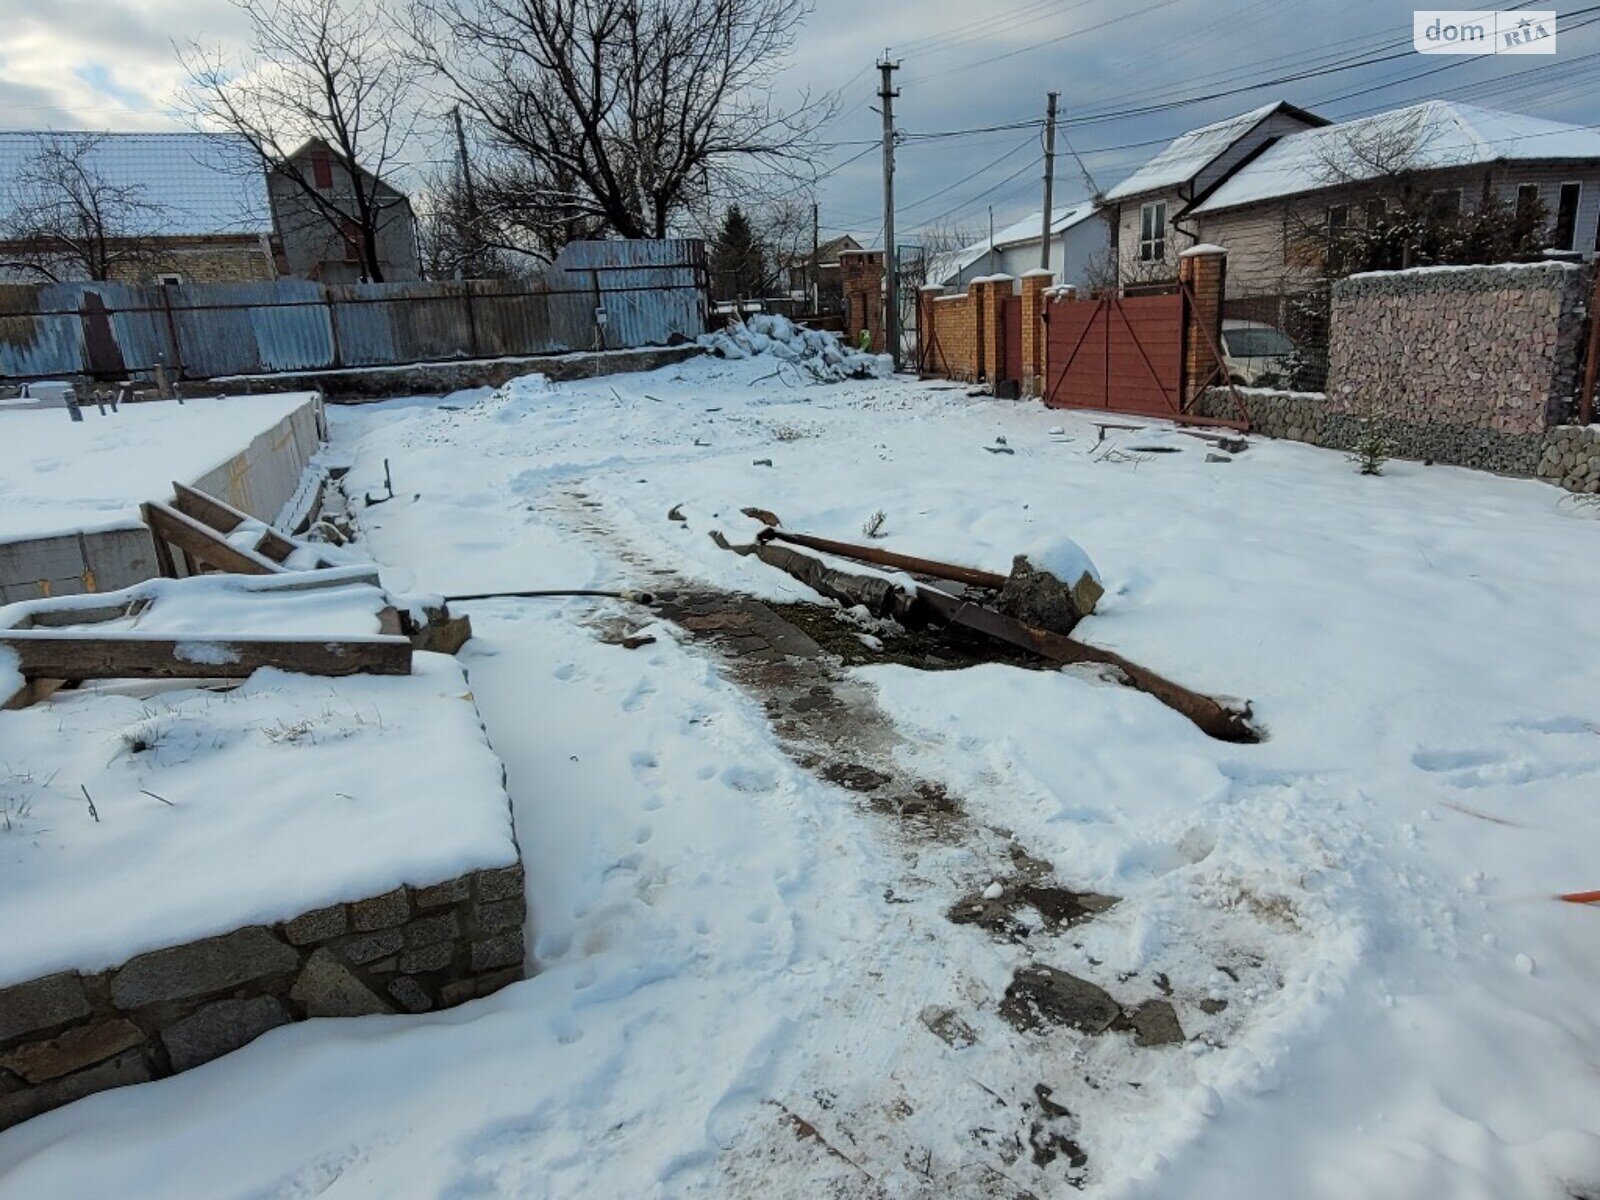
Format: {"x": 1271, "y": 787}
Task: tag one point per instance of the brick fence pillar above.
{"x": 927, "y": 333}
{"x": 1203, "y": 270}
{"x": 995, "y": 291}
{"x": 861, "y": 276}
{"x": 1034, "y": 342}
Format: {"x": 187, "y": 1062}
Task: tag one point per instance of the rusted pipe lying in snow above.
{"x": 1211, "y": 716}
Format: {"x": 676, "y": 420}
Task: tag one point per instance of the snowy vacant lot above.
{"x": 749, "y": 979}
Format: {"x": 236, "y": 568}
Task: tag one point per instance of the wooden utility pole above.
{"x": 1049, "y": 179}
{"x": 891, "y": 264}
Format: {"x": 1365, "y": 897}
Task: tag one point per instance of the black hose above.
{"x": 635, "y": 597}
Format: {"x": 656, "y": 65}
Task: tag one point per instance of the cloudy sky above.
{"x": 965, "y": 65}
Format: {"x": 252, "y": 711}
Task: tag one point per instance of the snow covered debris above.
{"x": 822, "y": 354}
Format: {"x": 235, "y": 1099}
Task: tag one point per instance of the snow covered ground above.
{"x": 747, "y": 982}
{"x": 58, "y": 475}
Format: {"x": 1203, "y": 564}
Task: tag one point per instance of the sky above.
{"x": 111, "y": 64}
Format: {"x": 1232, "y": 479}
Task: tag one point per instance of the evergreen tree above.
{"x": 738, "y": 264}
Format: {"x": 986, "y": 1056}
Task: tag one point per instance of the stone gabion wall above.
{"x": 1490, "y": 348}
{"x": 1571, "y": 459}
{"x": 1567, "y": 456}
{"x": 1327, "y": 421}
{"x": 68, "y": 1035}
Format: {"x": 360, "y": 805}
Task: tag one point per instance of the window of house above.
{"x": 322, "y": 170}
{"x": 1566, "y": 232}
{"x": 1338, "y": 218}
{"x": 1445, "y": 204}
{"x": 170, "y": 279}
{"x": 1376, "y": 208}
{"x": 1527, "y": 201}
{"x": 1153, "y": 231}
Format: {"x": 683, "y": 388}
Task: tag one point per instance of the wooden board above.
{"x": 224, "y": 518}
{"x": 202, "y": 543}
{"x": 46, "y": 655}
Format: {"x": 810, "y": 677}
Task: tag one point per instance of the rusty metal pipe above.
{"x": 1211, "y": 716}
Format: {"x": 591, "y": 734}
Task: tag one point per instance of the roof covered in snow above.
{"x": 1428, "y": 136}
{"x": 197, "y": 183}
{"x": 1190, "y": 153}
{"x": 947, "y": 266}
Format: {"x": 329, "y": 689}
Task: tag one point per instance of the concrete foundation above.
{"x": 367, "y": 384}
{"x": 260, "y": 479}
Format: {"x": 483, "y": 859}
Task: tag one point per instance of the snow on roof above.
{"x": 1435, "y": 134}
{"x": 202, "y": 183}
{"x": 947, "y": 266}
{"x": 1189, "y": 153}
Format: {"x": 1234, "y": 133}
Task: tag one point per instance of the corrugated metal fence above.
{"x": 597, "y": 295}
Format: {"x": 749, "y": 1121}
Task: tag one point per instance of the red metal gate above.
{"x": 1123, "y": 354}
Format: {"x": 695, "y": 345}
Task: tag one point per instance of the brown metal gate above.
{"x": 1122, "y": 354}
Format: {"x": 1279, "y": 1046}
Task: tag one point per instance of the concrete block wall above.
{"x": 413, "y": 949}
{"x": 260, "y": 480}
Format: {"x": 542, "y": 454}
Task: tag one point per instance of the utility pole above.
{"x": 816, "y": 255}
{"x": 1049, "y": 178}
{"x": 461, "y": 161}
{"x": 891, "y": 265}
{"x": 990, "y": 259}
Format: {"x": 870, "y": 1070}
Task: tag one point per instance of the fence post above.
{"x": 333, "y": 327}
{"x": 1202, "y": 276}
{"x": 173, "y": 338}
{"x": 472, "y": 319}
{"x": 1034, "y": 330}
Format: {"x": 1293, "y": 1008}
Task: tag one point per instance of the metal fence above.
{"x": 596, "y": 296}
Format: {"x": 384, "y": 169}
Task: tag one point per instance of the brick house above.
{"x": 1149, "y": 210}
{"x": 194, "y": 208}
{"x": 313, "y": 247}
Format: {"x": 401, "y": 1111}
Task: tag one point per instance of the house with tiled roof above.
{"x": 181, "y": 207}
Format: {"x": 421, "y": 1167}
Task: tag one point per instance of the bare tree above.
{"x": 325, "y": 71}
{"x": 66, "y": 218}
{"x": 622, "y": 116}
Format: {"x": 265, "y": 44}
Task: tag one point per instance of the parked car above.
{"x": 1257, "y": 354}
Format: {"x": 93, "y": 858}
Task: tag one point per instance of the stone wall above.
{"x": 1478, "y": 348}
{"x": 1571, "y": 458}
{"x": 69, "y": 1035}
{"x": 1567, "y": 455}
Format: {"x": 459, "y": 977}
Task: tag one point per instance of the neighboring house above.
{"x": 186, "y": 207}
{"x": 1148, "y": 210}
{"x": 1079, "y": 240}
{"x": 818, "y": 269}
{"x": 1439, "y": 156}
{"x": 315, "y": 247}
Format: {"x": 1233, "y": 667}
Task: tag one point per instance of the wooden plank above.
{"x": 204, "y": 544}
{"x": 225, "y": 518}
{"x": 46, "y": 655}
